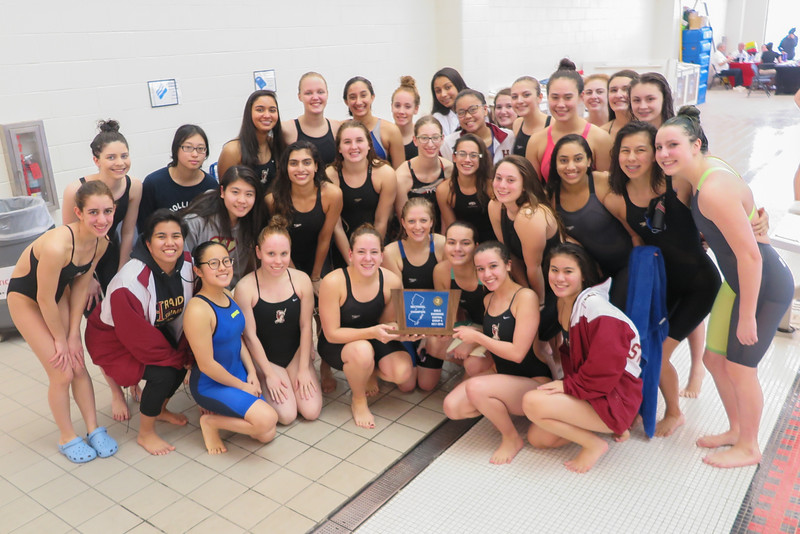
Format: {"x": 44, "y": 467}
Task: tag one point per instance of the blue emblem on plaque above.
{"x": 426, "y": 310}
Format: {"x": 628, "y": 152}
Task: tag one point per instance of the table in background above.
{"x": 747, "y": 72}
{"x": 787, "y": 79}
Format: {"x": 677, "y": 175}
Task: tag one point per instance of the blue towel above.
{"x": 647, "y": 308}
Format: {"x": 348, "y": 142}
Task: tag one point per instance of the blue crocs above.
{"x": 101, "y": 442}
{"x": 77, "y": 451}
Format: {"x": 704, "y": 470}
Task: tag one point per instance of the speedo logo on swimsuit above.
{"x": 355, "y": 316}
{"x": 472, "y": 203}
{"x": 570, "y": 228}
{"x": 234, "y": 314}
{"x": 297, "y": 225}
{"x": 412, "y": 280}
{"x": 357, "y": 199}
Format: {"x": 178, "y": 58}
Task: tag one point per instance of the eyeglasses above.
{"x": 425, "y": 139}
{"x": 214, "y": 263}
{"x": 470, "y": 155}
{"x": 472, "y": 110}
{"x": 198, "y": 149}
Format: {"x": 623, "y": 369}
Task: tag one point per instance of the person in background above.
{"x": 720, "y": 62}
{"x": 788, "y": 44}
{"x": 405, "y": 104}
{"x": 312, "y": 126}
{"x": 503, "y": 113}
{"x": 182, "y": 180}
{"x": 741, "y": 56}
{"x": 618, "y": 97}
{"x": 445, "y": 86}
{"x": 595, "y": 98}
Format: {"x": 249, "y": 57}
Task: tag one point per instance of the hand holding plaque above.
{"x": 425, "y": 311}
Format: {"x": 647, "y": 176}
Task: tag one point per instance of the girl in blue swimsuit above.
{"x": 49, "y": 318}
{"x": 757, "y": 291}
{"x": 224, "y": 379}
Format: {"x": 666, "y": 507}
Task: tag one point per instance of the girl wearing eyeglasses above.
{"x": 422, "y": 175}
{"x": 405, "y": 104}
{"x": 564, "y": 89}
{"x": 465, "y": 195}
{"x": 229, "y": 215}
{"x": 367, "y": 182}
{"x": 224, "y": 380}
{"x": 471, "y": 110}
{"x": 260, "y": 142}
{"x": 183, "y": 179}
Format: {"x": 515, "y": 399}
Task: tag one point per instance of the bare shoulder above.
{"x": 526, "y": 298}
{"x": 391, "y": 280}
{"x": 447, "y": 165}
{"x": 232, "y": 149}
{"x": 331, "y": 192}
{"x": 301, "y": 282}
{"x": 597, "y": 133}
{"x": 332, "y": 174}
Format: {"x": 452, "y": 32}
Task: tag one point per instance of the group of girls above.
{"x": 536, "y": 335}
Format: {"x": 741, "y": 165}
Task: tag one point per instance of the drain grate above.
{"x": 359, "y": 508}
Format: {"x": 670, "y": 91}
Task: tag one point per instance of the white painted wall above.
{"x": 72, "y": 65}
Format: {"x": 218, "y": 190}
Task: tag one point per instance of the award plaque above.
{"x": 425, "y": 311}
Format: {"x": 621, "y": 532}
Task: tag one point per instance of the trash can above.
{"x": 22, "y": 220}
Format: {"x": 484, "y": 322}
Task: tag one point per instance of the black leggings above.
{"x": 162, "y": 383}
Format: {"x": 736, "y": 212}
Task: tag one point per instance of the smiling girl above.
{"x": 618, "y": 106}
{"x": 445, "y": 86}
{"x": 595, "y": 98}
{"x": 471, "y": 109}
{"x": 564, "y": 89}
{"x": 405, "y": 104}
{"x": 509, "y": 328}
{"x": 112, "y": 158}
{"x": 312, "y": 126}
{"x": 387, "y": 141}
{"x": 651, "y": 99}
{"x": 260, "y": 142}
{"x": 229, "y": 215}
{"x": 46, "y": 298}
{"x": 526, "y": 97}
{"x": 601, "y": 390}
{"x": 278, "y": 302}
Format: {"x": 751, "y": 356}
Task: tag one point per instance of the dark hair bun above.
{"x": 566, "y": 64}
{"x": 108, "y": 126}
{"x": 690, "y": 112}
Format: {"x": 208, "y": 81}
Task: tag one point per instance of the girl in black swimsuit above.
{"x": 526, "y": 97}
{"x": 260, "y": 143}
{"x": 367, "y": 182}
{"x": 49, "y": 318}
{"x": 278, "y": 302}
{"x": 312, "y": 126}
{"x": 508, "y": 333}
{"x": 405, "y": 104}
{"x": 422, "y": 175}
{"x": 355, "y": 309}
{"x": 465, "y": 195}
{"x": 456, "y": 271}
{"x": 111, "y": 155}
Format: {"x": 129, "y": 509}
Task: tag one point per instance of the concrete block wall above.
{"x": 72, "y": 65}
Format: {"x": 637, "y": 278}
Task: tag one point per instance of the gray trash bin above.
{"x": 22, "y": 220}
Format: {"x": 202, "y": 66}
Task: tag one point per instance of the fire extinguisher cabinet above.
{"x": 28, "y": 160}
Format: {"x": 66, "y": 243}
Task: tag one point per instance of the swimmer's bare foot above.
{"x": 172, "y": 417}
{"x": 135, "y": 392}
{"x": 619, "y": 438}
{"x": 211, "y": 437}
{"x": 718, "y": 440}
{"x": 372, "y": 388}
{"x": 119, "y": 407}
{"x": 668, "y": 425}
{"x": 507, "y": 450}
{"x": 361, "y": 414}
{"x": 692, "y": 389}
{"x": 588, "y": 456}
{"x": 152, "y": 443}
{"x": 736, "y": 456}
{"x": 326, "y": 378}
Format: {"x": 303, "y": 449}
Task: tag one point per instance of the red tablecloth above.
{"x": 747, "y": 72}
